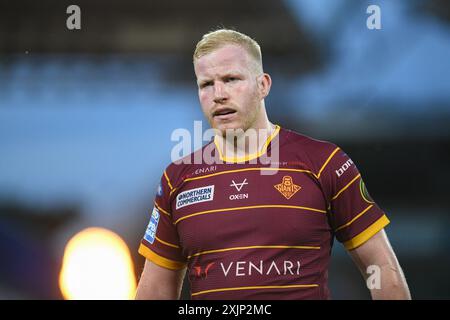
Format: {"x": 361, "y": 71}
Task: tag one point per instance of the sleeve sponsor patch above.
{"x": 150, "y": 233}
{"x": 344, "y": 167}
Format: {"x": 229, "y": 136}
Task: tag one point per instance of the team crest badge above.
{"x": 287, "y": 187}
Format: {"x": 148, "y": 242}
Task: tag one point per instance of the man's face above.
{"x": 228, "y": 88}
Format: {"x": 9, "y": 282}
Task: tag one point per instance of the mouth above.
{"x": 223, "y": 113}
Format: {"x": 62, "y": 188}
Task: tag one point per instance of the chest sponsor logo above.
{"x": 344, "y": 167}
{"x": 201, "y": 272}
{"x": 193, "y": 196}
{"x": 248, "y": 268}
{"x": 238, "y": 187}
{"x": 150, "y": 233}
{"x": 205, "y": 170}
{"x": 287, "y": 187}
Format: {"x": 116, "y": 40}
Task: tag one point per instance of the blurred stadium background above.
{"x": 86, "y": 118}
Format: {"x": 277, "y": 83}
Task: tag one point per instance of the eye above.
{"x": 206, "y": 84}
{"x": 231, "y": 79}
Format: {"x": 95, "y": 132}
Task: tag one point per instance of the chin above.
{"x": 228, "y": 126}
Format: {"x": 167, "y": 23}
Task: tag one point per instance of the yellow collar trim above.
{"x": 250, "y": 156}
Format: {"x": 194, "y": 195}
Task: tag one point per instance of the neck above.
{"x": 245, "y": 144}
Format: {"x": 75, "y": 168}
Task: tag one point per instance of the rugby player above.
{"x": 240, "y": 234}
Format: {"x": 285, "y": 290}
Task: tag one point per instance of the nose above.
{"x": 220, "y": 94}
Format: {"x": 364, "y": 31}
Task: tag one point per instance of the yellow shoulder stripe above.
{"x": 161, "y": 209}
{"x": 167, "y": 243}
{"x": 344, "y": 188}
{"x": 326, "y": 162}
{"x": 354, "y": 219}
{"x": 168, "y": 180}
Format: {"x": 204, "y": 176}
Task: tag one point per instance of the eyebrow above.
{"x": 203, "y": 81}
{"x": 232, "y": 73}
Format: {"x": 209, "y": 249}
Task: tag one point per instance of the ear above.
{"x": 264, "y": 83}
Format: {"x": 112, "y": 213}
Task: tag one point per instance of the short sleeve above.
{"x": 161, "y": 243}
{"x": 354, "y": 215}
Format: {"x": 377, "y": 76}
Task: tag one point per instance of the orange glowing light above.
{"x": 97, "y": 265}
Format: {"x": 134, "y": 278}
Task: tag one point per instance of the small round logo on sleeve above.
{"x": 364, "y": 193}
{"x": 159, "y": 191}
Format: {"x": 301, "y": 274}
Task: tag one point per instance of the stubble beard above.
{"x": 246, "y": 123}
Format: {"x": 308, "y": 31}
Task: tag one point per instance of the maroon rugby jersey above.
{"x": 243, "y": 233}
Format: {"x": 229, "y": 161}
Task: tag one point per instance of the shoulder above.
{"x": 314, "y": 151}
{"x": 187, "y": 166}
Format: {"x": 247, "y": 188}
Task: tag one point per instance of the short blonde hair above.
{"x": 214, "y": 40}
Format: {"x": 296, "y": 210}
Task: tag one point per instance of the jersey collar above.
{"x": 250, "y": 156}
